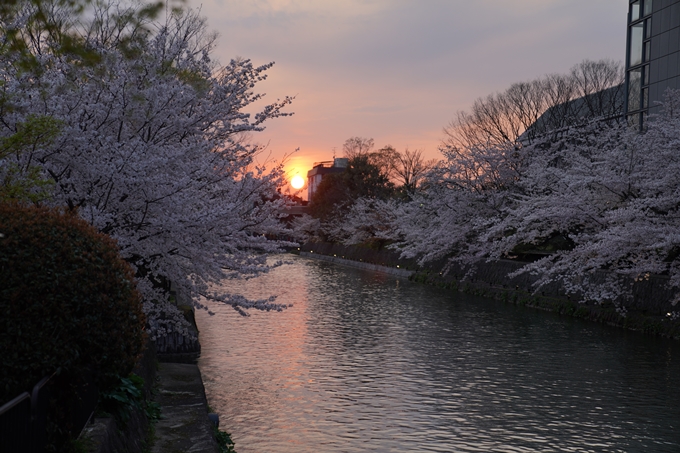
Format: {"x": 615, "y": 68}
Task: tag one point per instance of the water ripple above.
{"x": 366, "y": 362}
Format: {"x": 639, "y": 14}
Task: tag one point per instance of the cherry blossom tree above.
{"x": 609, "y": 191}
{"x": 486, "y": 152}
{"x": 464, "y": 196}
{"x": 614, "y": 192}
{"x": 152, "y": 148}
{"x": 367, "y": 220}
{"x": 305, "y": 227}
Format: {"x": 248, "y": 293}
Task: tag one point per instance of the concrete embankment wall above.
{"x": 646, "y": 310}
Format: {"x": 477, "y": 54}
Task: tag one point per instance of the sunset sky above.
{"x": 399, "y": 70}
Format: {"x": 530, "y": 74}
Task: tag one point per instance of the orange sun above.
{"x": 297, "y": 182}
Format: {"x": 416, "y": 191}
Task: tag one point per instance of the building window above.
{"x": 636, "y": 37}
{"x": 648, "y": 50}
{"x": 639, "y": 9}
{"x": 639, "y": 55}
{"x": 648, "y": 28}
{"x": 634, "y": 85}
{"x": 634, "y": 11}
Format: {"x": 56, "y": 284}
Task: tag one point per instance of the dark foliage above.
{"x": 126, "y": 397}
{"x": 69, "y": 306}
{"x": 362, "y": 178}
{"x": 331, "y": 193}
{"x": 224, "y": 441}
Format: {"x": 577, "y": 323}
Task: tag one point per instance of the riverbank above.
{"x": 650, "y": 309}
{"x": 184, "y": 425}
{"x": 172, "y": 381}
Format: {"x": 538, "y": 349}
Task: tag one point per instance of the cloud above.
{"x": 398, "y": 70}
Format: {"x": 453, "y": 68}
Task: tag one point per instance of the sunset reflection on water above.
{"x": 366, "y": 362}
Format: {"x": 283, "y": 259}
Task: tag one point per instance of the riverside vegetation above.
{"x": 70, "y": 309}
{"x": 588, "y": 204}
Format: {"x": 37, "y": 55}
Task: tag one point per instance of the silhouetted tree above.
{"x": 337, "y": 192}
{"x": 528, "y": 110}
{"x": 356, "y": 146}
{"x": 410, "y": 168}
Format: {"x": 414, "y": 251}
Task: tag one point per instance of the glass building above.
{"x": 652, "y": 55}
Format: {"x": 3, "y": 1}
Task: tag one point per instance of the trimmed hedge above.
{"x": 68, "y": 303}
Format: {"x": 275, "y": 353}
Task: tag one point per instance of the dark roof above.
{"x": 605, "y": 104}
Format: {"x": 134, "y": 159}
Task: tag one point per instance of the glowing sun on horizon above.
{"x": 298, "y": 182}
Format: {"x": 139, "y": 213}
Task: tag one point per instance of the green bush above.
{"x": 224, "y": 442}
{"x": 126, "y": 397}
{"x": 68, "y": 303}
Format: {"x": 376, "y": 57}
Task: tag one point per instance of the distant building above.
{"x": 321, "y": 169}
{"x": 652, "y": 55}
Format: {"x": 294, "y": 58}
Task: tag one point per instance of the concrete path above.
{"x": 184, "y": 426}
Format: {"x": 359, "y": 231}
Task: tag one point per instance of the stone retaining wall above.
{"x": 177, "y": 348}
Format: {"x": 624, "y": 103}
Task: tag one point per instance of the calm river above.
{"x": 365, "y": 362}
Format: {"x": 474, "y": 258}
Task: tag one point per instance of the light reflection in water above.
{"x": 365, "y": 362}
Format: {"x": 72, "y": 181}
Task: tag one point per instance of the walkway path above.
{"x": 184, "y": 425}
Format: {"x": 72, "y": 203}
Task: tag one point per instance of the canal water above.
{"x": 365, "y": 362}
